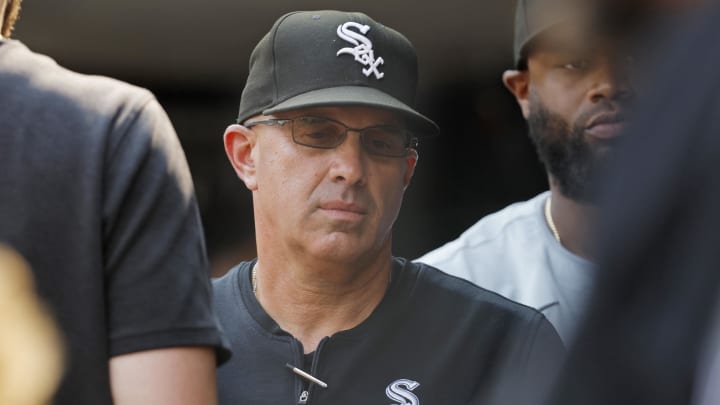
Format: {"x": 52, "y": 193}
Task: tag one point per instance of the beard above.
{"x": 571, "y": 160}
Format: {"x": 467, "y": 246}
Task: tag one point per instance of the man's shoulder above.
{"x": 227, "y": 296}
{"x": 492, "y": 236}
{"x": 224, "y": 284}
{"x": 455, "y": 292}
{"x": 479, "y": 329}
{"x": 38, "y": 77}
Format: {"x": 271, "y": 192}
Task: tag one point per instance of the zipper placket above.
{"x": 299, "y": 383}
{"x": 304, "y": 398}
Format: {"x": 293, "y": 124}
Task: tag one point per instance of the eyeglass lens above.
{"x": 323, "y": 133}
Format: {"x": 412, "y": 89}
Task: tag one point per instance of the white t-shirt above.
{"x": 514, "y": 253}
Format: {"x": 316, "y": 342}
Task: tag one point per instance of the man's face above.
{"x": 334, "y": 204}
{"x": 575, "y": 102}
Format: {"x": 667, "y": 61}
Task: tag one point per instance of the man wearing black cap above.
{"x": 325, "y": 141}
{"x": 571, "y": 82}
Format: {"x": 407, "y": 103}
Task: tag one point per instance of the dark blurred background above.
{"x": 193, "y": 54}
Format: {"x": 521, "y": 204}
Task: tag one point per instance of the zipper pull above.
{"x": 306, "y": 375}
{"x": 303, "y": 397}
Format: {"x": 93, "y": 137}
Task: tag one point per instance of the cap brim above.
{"x": 358, "y": 96}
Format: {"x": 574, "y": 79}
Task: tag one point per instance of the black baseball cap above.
{"x": 333, "y": 58}
{"x": 534, "y": 17}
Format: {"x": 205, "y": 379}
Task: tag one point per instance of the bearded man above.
{"x": 571, "y": 81}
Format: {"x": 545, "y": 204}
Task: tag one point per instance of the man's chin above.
{"x": 601, "y": 153}
{"x": 344, "y": 247}
{"x": 579, "y": 181}
{"x": 337, "y": 245}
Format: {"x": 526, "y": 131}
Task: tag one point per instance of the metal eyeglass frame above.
{"x": 411, "y": 143}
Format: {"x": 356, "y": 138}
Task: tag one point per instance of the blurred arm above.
{"x": 173, "y": 376}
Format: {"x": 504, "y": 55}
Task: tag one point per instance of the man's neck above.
{"x": 574, "y": 221}
{"x": 312, "y": 300}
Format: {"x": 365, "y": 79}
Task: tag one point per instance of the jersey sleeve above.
{"x": 156, "y": 270}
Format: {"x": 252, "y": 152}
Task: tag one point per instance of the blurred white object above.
{"x": 30, "y": 347}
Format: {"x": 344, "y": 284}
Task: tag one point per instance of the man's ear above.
{"x": 518, "y": 82}
{"x": 239, "y": 147}
{"x": 412, "y": 159}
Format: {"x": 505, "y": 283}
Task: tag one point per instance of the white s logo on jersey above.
{"x": 363, "y": 50}
{"x": 400, "y": 391}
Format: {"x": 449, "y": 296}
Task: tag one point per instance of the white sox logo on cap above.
{"x": 363, "y": 50}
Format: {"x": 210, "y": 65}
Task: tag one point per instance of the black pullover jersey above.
{"x": 433, "y": 339}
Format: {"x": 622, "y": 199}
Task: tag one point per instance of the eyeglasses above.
{"x": 326, "y": 133}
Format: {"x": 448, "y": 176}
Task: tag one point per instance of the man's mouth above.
{"x": 343, "y": 210}
{"x": 606, "y": 125}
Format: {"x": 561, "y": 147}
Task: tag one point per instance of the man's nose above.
{"x": 349, "y": 160}
{"x": 612, "y": 82}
